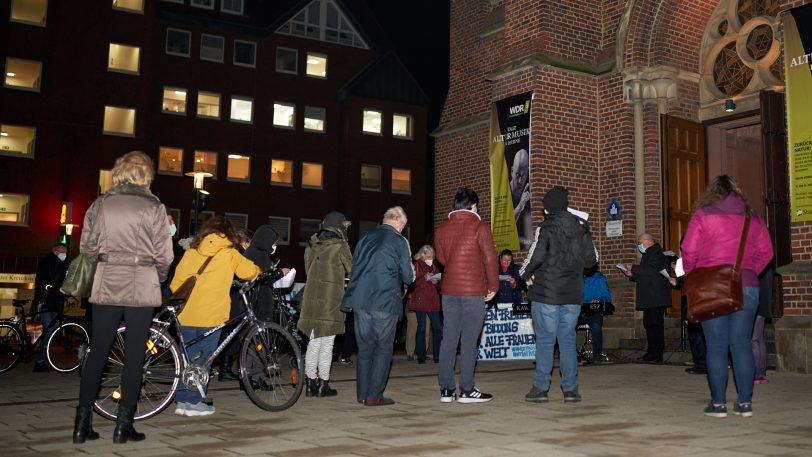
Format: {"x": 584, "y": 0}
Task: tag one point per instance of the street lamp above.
{"x": 201, "y": 196}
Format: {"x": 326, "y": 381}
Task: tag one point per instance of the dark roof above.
{"x": 386, "y": 78}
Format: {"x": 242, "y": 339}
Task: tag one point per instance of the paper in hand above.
{"x": 621, "y": 267}
{"x": 435, "y": 277}
{"x": 679, "y": 270}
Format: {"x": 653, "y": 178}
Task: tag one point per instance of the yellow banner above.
{"x": 798, "y": 70}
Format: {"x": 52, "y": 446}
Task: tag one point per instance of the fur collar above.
{"x": 130, "y": 189}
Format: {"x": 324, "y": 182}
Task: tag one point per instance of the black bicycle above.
{"x": 67, "y": 340}
{"x": 270, "y": 361}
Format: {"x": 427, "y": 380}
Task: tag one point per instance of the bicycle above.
{"x": 67, "y": 344}
{"x": 269, "y": 364}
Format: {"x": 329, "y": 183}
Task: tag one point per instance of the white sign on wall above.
{"x": 614, "y": 228}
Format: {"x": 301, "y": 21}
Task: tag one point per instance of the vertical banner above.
{"x": 798, "y": 70}
{"x": 509, "y": 156}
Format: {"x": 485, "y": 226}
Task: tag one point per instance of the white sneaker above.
{"x": 198, "y": 409}
{"x": 180, "y": 410}
{"x": 447, "y": 396}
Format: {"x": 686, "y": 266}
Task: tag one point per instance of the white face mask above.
{"x": 429, "y": 261}
{"x": 62, "y": 256}
{"x": 173, "y": 229}
{"x": 273, "y": 249}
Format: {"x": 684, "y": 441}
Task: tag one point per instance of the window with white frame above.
{"x": 281, "y": 172}
{"x": 239, "y": 168}
{"x": 29, "y": 11}
{"x": 284, "y": 115}
{"x": 170, "y": 161}
{"x": 206, "y": 162}
{"x": 23, "y": 74}
{"x": 119, "y": 120}
{"x": 314, "y": 118}
{"x": 323, "y": 20}
{"x": 316, "y": 65}
{"x": 312, "y": 175}
{"x": 17, "y": 140}
{"x": 212, "y": 48}
{"x": 370, "y": 177}
{"x": 282, "y": 227}
{"x": 307, "y": 228}
{"x": 402, "y": 126}
{"x": 287, "y": 60}
{"x": 208, "y": 105}
{"x": 123, "y": 58}
{"x": 14, "y": 209}
{"x": 372, "y": 121}
{"x": 175, "y": 213}
{"x": 401, "y": 181}
{"x": 174, "y": 100}
{"x": 207, "y": 4}
{"x": 240, "y": 220}
{"x": 245, "y": 53}
{"x": 178, "y": 42}
{"x": 135, "y": 6}
{"x": 242, "y": 109}
{"x": 232, "y": 6}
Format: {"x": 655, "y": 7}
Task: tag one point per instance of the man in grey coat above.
{"x": 381, "y": 265}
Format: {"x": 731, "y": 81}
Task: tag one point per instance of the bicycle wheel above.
{"x": 269, "y": 367}
{"x": 162, "y": 367}
{"x": 67, "y": 346}
{"x": 11, "y": 347}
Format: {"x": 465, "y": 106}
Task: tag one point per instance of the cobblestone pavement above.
{"x": 627, "y": 410}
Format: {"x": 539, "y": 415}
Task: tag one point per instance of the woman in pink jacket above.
{"x": 712, "y": 239}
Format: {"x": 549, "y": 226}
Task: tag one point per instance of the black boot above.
{"x": 311, "y": 387}
{"x": 325, "y": 390}
{"x": 83, "y": 428}
{"x": 226, "y": 373}
{"x": 124, "y": 426}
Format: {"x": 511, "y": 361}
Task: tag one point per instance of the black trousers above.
{"x": 106, "y": 320}
{"x": 654, "y": 323}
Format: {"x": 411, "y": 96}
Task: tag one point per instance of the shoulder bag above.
{"x": 179, "y": 297}
{"x": 79, "y": 280}
{"x": 716, "y": 291}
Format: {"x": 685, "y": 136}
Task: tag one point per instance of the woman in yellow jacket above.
{"x": 209, "y": 303}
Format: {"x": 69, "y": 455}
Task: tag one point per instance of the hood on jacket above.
{"x": 556, "y": 199}
{"x": 732, "y": 203}
{"x": 328, "y": 235}
{"x": 261, "y": 246}
{"x": 214, "y": 243}
{"x": 336, "y": 220}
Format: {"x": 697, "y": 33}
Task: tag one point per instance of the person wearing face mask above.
{"x": 425, "y": 302}
{"x": 511, "y": 284}
{"x": 47, "y": 297}
{"x": 653, "y": 295}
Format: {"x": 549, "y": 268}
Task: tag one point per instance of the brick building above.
{"x": 295, "y": 108}
{"x": 629, "y": 104}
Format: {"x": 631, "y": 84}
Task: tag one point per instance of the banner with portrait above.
{"x": 798, "y": 70}
{"x": 509, "y": 156}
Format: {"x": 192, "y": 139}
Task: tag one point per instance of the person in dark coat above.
{"x": 48, "y": 300}
{"x": 425, "y": 302}
{"x": 653, "y": 295}
{"x": 511, "y": 284}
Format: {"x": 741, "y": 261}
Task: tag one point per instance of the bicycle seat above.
{"x": 19, "y": 303}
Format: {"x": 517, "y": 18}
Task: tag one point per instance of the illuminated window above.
{"x": 105, "y": 181}
{"x": 178, "y": 42}
{"x": 232, "y": 6}
{"x": 314, "y": 118}
{"x": 119, "y": 121}
{"x": 281, "y": 172}
{"x": 240, "y": 220}
{"x": 129, "y": 5}
{"x": 212, "y": 47}
{"x": 208, "y": 104}
{"x": 312, "y": 175}
{"x": 372, "y": 121}
{"x": 123, "y": 58}
{"x": 207, "y": 4}
{"x": 29, "y": 11}
{"x": 402, "y": 126}
{"x": 370, "y": 177}
{"x": 307, "y": 228}
{"x": 316, "y": 65}
{"x": 282, "y": 227}
{"x": 23, "y": 74}
{"x": 17, "y": 140}
{"x": 170, "y": 161}
{"x": 323, "y": 20}
{"x": 401, "y": 181}
{"x": 239, "y": 168}
{"x": 206, "y": 162}
{"x": 14, "y": 209}
{"x": 284, "y": 115}
{"x": 245, "y": 53}
{"x": 287, "y": 60}
{"x": 242, "y": 109}
{"x": 174, "y": 100}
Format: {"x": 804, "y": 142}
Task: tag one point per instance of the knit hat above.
{"x": 556, "y": 199}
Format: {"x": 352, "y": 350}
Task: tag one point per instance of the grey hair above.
{"x": 421, "y": 253}
{"x": 395, "y": 213}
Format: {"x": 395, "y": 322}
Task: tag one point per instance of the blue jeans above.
{"x": 552, "y": 322}
{"x": 198, "y": 353}
{"x": 595, "y": 322}
{"x": 375, "y": 335}
{"x": 732, "y": 333}
{"x": 437, "y": 334}
{"x": 46, "y": 317}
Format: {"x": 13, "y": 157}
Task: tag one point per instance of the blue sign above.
{"x": 613, "y": 209}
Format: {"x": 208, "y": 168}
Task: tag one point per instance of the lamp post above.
{"x": 199, "y": 201}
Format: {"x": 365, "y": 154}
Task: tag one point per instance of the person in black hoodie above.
{"x": 653, "y": 295}
{"x": 48, "y": 300}
{"x": 553, "y": 271}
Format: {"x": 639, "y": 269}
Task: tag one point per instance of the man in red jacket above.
{"x": 465, "y": 247}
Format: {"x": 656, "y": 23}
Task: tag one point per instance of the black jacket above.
{"x": 562, "y": 249}
{"x": 653, "y": 289}
{"x": 51, "y": 271}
